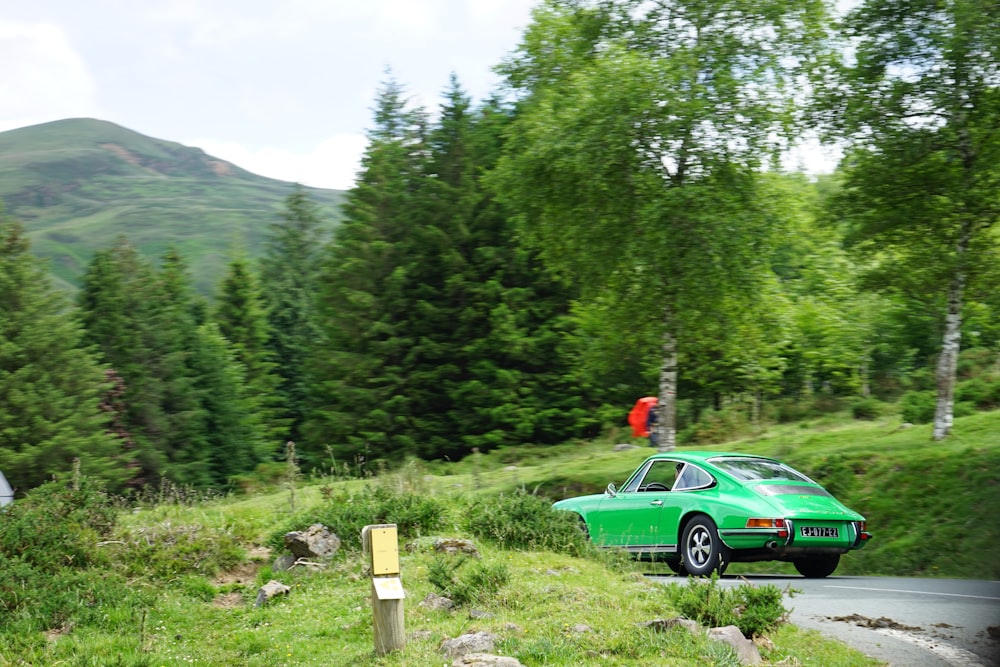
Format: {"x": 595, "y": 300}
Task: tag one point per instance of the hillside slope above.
{"x": 79, "y": 184}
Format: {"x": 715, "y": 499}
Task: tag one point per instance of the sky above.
{"x": 282, "y": 88}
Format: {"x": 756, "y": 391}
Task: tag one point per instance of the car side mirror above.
{"x": 612, "y": 490}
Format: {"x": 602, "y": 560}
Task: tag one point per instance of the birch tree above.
{"x": 634, "y": 161}
{"x": 919, "y": 100}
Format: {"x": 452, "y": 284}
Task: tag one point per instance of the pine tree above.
{"x": 50, "y": 387}
{"x": 118, "y": 308}
{"x": 242, "y": 319}
{"x": 185, "y": 402}
{"x": 288, "y": 279}
{"x": 441, "y": 334}
{"x": 362, "y": 407}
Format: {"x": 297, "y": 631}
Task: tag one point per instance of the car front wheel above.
{"x": 817, "y": 567}
{"x": 702, "y": 551}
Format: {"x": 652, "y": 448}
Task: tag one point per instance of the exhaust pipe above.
{"x": 772, "y": 545}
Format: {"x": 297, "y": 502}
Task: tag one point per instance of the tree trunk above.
{"x": 948, "y": 361}
{"x": 666, "y": 407}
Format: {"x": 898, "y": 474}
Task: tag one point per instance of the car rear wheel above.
{"x": 702, "y": 551}
{"x": 817, "y": 567}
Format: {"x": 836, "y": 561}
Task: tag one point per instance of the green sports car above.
{"x": 700, "y": 511}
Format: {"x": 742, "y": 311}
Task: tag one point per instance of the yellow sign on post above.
{"x": 381, "y": 544}
{"x": 385, "y": 550}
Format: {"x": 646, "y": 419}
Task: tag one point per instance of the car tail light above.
{"x": 862, "y": 527}
{"x": 778, "y": 524}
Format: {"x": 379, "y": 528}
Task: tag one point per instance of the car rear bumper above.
{"x": 795, "y": 537}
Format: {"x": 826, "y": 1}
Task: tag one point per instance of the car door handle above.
{"x": 656, "y": 502}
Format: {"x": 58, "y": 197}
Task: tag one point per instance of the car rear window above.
{"x": 749, "y": 470}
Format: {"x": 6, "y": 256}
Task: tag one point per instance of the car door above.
{"x": 632, "y": 518}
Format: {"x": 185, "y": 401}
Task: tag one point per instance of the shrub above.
{"x": 346, "y": 514}
{"x": 981, "y": 392}
{"x": 866, "y": 408}
{"x": 753, "y": 609}
{"x": 917, "y": 407}
{"x": 477, "y": 583}
{"x": 524, "y": 521}
{"x": 58, "y": 525}
{"x": 52, "y": 560}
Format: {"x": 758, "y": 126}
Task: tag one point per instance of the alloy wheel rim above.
{"x": 699, "y": 546}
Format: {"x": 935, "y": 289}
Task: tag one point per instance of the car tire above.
{"x": 702, "y": 551}
{"x": 817, "y": 567}
{"x": 677, "y": 567}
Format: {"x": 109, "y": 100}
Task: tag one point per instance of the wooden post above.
{"x": 381, "y": 545}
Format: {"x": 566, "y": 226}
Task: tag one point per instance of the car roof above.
{"x": 701, "y": 456}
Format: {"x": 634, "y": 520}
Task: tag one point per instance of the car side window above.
{"x": 660, "y": 476}
{"x": 692, "y": 477}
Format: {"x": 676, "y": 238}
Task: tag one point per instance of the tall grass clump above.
{"x": 464, "y": 582}
{"x": 165, "y": 551}
{"x": 755, "y": 610}
{"x": 524, "y": 521}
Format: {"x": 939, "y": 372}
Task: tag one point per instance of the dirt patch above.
{"x": 246, "y": 572}
{"x": 874, "y": 623}
{"x": 228, "y": 601}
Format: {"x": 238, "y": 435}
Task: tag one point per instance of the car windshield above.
{"x": 757, "y": 469}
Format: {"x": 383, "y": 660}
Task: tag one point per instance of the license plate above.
{"x": 815, "y": 531}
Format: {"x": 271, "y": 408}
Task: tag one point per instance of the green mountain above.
{"x": 79, "y": 184}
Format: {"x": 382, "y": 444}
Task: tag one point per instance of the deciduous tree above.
{"x": 919, "y": 99}
{"x": 635, "y": 154}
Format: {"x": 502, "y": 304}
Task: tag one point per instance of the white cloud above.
{"x": 332, "y": 163}
{"x": 43, "y": 78}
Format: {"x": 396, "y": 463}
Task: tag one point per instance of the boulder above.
{"x": 270, "y": 590}
{"x": 746, "y": 651}
{"x": 437, "y": 602}
{"x": 455, "y": 545}
{"x": 476, "y": 642}
{"x": 315, "y": 542}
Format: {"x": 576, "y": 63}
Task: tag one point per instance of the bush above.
{"x": 917, "y": 407}
{"x": 346, "y": 514}
{"x": 866, "y": 408}
{"x": 478, "y": 583}
{"x": 58, "y": 525}
{"x": 753, "y": 609}
{"x": 524, "y": 521}
{"x": 981, "y": 392}
{"x": 54, "y": 569}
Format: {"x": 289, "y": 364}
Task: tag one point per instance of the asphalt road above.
{"x": 906, "y": 622}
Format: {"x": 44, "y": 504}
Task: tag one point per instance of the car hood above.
{"x": 805, "y": 501}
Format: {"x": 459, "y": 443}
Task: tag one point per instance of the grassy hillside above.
{"x": 175, "y": 581}
{"x": 79, "y": 184}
